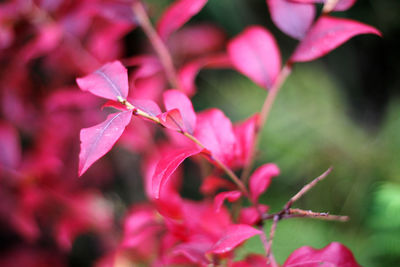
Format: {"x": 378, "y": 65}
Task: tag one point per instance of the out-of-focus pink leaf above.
{"x": 212, "y": 184}
{"x": 167, "y": 166}
{"x": 231, "y": 196}
{"x": 174, "y": 99}
{"x": 254, "y": 53}
{"x": 254, "y": 260}
{"x": 196, "y": 40}
{"x": 116, "y": 10}
{"x": 98, "y": 140}
{"x": 261, "y": 179}
{"x": 341, "y": 5}
{"x": 292, "y": 18}
{"x": 245, "y": 134}
{"x": 110, "y": 81}
{"x": 114, "y": 104}
{"x": 233, "y": 237}
{"x": 327, "y": 34}
{"x": 177, "y": 15}
{"x": 250, "y": 215}
{"x": 187, "y": 74}
{"x": 335, "y": 254}
{"x": 214, "y": 131}
{"x": 10, "y": 152}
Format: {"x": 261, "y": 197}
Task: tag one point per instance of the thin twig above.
{"x": 306, "y": 188}
{"x": 158, "y": 44}
{"x": 293, "y": 213}
{"x": 272, "y": 235}
{"x": 265, "y": 111}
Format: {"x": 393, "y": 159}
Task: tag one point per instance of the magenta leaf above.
{"x": 245, "y": 135}
{"x": 251, "y": 215}
{"x": 167, "y": 166}
{"x": 233, "y": 237}
{"x": 261, "y": 179}
{"x": 146, "y": 105}
{"x": 110, "y": 81}
{"x": 99, "y": 139}
{"x": 231, "y": 196}
{"x": 327, "y": 34}
{"x": 335, "y": 254}
{"x": 10, "y": 152}
{"x": 173, "y": 120}
{"x": 255, "y": 54}
{"x": 174, "y": 99}
{"x": 214, "y": 131}
{"x": 341, "y": 5}
{"x": 177, "y": 15}
{"x": 292, "y": 18}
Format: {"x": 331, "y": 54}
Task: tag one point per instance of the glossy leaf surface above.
{"x": 292, "y": 18}
{"x": 254, "y": 53}
{"x": 110, "y": 81}
{"x": 177, "y": 15}
{"x": 327, "y": 34}
{"x": 98, "y": 140}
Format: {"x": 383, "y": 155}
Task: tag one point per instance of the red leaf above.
{"x": 187, "y": 74}
{"x": 327, "y": 34}
{"x": 341, "y": 5}
{"x": 233, "y": 237}
{"x": 214, "y": 131}
{"x": 177, "y": 15}
{"x": 110, "y": 81}
{"x": 255, "y": 54}
{"x": 261, "y": 179}
{"x": 251, "y": 215}
{"x": 292, "y": 18}
{"x": 231, "y": 196}
{"x": 173, "y": 99}
{"x": 335, "y": 254}
{"x": 167, "y": 166}
{"x": 99, "y": 139}
{"x": 211, "y": 184}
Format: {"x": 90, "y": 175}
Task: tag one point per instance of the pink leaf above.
{"x": 292, "y": 18}
{"x": 231, "y": 196}
{"x": 214, "y": 131}
{"x": 173, "y": 120}
{"x": 167, "y": 166}
{"x": 255, "y": 54}
{"x": 110, "y": 81}
{"x": 148, "y": 106}
{"x": 341, "y": 5}
{"x": 245, "y": 134}
{"x": 177, "y": 15}
{"x": 212, "y": 184}
{"x": 233, "y": 237}
{"x": 327, "y": 34}
{"x": 176, "y": 99}
{"x": 335, "y": 254}
{"x": 261, "y": 179}
{"x": 187, "y": 74}
{"x": 98, "y": 140}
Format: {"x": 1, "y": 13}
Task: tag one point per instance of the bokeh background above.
{"x": 342, "y": 110}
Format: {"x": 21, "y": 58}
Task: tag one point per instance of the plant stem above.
{"x": 265, "y": 111}
{"x": 219, "y": 163}
{"x": 159, "y": 46}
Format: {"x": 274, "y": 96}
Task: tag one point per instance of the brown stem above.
{"x": 265, "y": 111}
{"x": 158, "y": 44}
{"x": 306, "y": 188}
{"x": 272, "y": 235}
{"x": 293, "y": 213}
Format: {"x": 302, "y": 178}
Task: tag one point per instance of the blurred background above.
{"x": 342, "y": 110}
